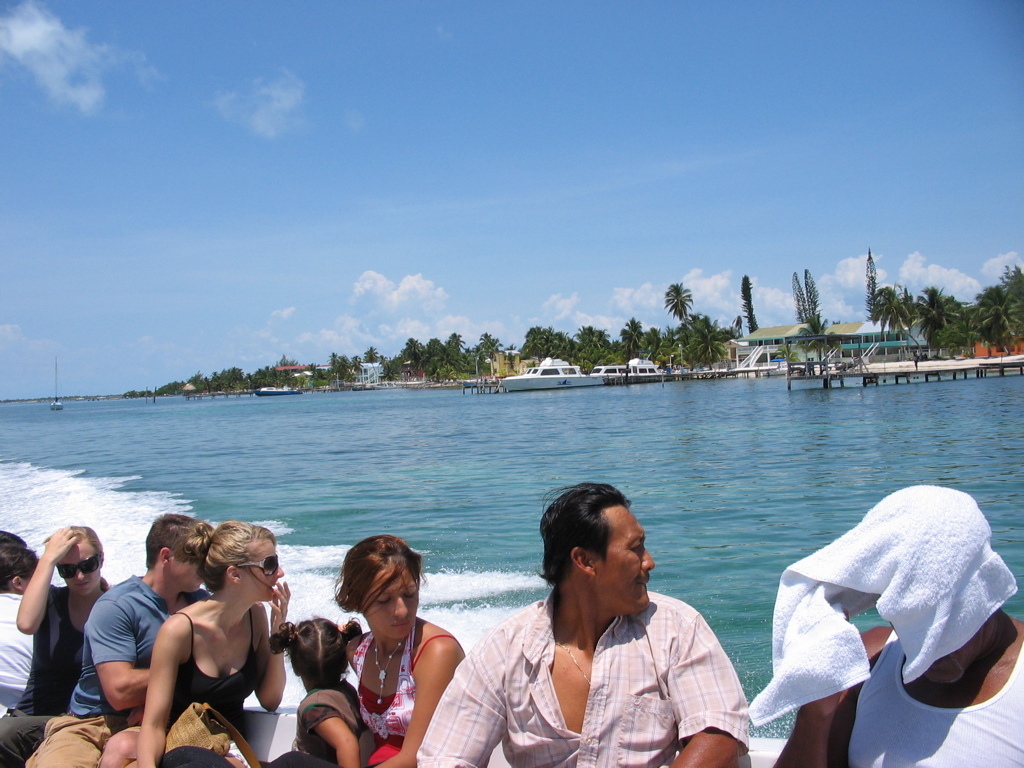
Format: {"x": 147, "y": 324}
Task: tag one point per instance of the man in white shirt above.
{"x": 602, "y": 673}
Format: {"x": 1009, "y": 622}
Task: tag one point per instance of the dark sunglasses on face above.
{"x": 68, "y": 570}
{"x": 268, "y": 565}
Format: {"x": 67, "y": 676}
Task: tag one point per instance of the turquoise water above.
{"x": 734, "y": 480}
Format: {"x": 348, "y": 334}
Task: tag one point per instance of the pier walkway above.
{"x": 829, "y": 377}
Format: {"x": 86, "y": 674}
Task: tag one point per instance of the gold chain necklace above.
{"x": 382, "y": 672}
{"x": 565, "y": 648}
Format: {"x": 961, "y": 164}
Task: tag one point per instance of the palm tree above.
{"x": 706, "y": 345}
{"x": 961, "y": 331}
{"x": 631, "y": 336}
{"x": 653, "y": 341}
{"x": 412, "y": 353}
{"x": 933, "y": 313}
{"x": 539, "y": 342}
{"x": 371, "y": 355}
{"x": 890, "y": 309}
{"x": 678, "y": 301}
{"x": 996, "y": 316}
{"x": 817, "y": 327}
{"x": 592, "y": 346}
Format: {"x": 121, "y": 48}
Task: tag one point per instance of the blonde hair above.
{"x": 87, "y": 535}
{"x": 213, "y": 550}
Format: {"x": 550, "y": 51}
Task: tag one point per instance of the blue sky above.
{"x": 193, "y": 186}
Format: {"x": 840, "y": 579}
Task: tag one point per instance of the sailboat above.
{"x": 56, "y": 405}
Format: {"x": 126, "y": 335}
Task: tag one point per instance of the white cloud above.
{"x": 772, "y": 306}
{"x": 406, "y": 328}
{"x": 713, "y": 294}
{"x": 632, "y": 300}
{"x": 851, "y": 272}
{"x": 64, "y": 64}
{"x": 269, "y": 109}
{"x": 604, "y": 322}
{"x": 413, "y": 290}
{"x": 11, "y": 335}
{"x": 916, "y": 274}
{"x": 459, "y": 324}
{"x": 560, "y": 305}
{"x": 993, "y": 268}
{"x": 347, "y": 337}
{"x": 282, "y": 314}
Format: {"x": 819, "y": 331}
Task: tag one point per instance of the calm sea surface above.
{"x": 734, "y": 480}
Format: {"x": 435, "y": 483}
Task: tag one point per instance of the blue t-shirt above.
{"x": 122, "y": 627}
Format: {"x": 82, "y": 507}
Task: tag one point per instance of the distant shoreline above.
{"x": 887, "y": 367}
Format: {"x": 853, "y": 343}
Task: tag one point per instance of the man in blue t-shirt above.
{"x": 119, "y": 639}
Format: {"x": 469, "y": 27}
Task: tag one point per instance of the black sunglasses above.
{"x": 68, "y": 570}
{"x": 268, "y": 565}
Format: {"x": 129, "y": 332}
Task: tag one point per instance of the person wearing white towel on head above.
{"x": 942, "y": 686}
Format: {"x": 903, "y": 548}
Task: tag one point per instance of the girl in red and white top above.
{"x": 403, "y": 663}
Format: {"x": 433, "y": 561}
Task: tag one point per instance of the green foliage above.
{"x": 871, "y": 280}
{"x": 678, "y": 301}
{"x": 746, "y": 294}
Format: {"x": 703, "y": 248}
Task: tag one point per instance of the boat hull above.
{"x": 516, "y": 384}
{"x": 270, "y": 392}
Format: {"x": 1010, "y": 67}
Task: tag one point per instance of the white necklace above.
{"x": 565, "y": 648}
{"x": 382, "y": 672}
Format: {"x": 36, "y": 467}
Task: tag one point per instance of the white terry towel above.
{"x": 922, "y": 554}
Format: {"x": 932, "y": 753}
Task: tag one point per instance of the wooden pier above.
{"x": 487, "y": 385}
{"x": 204, "y": 395}
{"x": 829, "y": 378}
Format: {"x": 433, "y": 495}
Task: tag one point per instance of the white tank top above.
{"x": 893, "y": 729}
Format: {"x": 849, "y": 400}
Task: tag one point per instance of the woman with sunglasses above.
{"x": 55, "y": 616}
{"x": 403, "y": 664}
{"x": 217, "y": 650}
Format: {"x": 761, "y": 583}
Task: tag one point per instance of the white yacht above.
{"x": 616, "y": 370}
{"x": 638, "y": 369}
{"x": 643, "y": 369}
{"x": 552, "y": 373}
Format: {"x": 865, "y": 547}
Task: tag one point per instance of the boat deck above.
{"x": 271, "y": 734}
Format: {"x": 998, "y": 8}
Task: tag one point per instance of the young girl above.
{"x": 329, "y": 726}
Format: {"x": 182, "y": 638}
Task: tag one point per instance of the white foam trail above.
{"x": 36, "y": 501}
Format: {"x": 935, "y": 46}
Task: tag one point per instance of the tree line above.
{"x": 694, "y": 340}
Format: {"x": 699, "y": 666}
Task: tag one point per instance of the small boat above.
{"x": 56, "y": 405}
{"x": 552, "y": 373}
{"x": 275, "y": 391}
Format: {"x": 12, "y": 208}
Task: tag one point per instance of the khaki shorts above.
{"x": 76, "y": 742}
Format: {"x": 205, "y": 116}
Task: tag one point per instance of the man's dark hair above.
{"x": 6, "y": 537}
{"x": 575, "y": 518}
{"x": 166, "y": 531}
{"x": 15, "y": 561}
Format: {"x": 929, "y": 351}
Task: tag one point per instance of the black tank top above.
{"x": 56, "y": 659}
{"x": 225, "y": 694}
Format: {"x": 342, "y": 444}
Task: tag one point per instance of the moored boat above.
{"x": 275, "y": 391}
{"x": 637, "y": 369}
{"x": 56, "y": 405}
{"x": 552, "y": 373}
